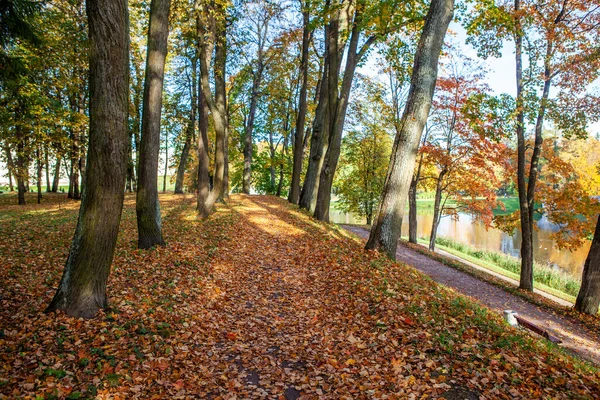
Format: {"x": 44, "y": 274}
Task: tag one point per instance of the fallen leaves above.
{"x": 236, "y": 307}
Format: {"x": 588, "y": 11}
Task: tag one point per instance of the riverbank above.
{"x": 546, "y": 279}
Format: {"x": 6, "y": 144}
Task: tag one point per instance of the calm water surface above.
{"x": 469, "y": 231}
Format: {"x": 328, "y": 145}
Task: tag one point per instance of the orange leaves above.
{"x": 307, "y": 314}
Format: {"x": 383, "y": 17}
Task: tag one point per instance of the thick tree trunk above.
{"x": 147, "y": 204}
{"x": 298, "y": 144}
{"x": 338, "y": 104}
{"x": 82, "y": 289}
{"x": 588, "y": 299}
{"x": 318, "y": 142}
{"x": 204, "y": 184}
{"x": 386, "y": 229}
{"x": 56, "y": 178}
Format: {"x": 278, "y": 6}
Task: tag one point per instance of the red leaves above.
{"x": 291, "y": 306}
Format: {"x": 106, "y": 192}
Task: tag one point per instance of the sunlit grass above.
{"x": 542, "y": 274}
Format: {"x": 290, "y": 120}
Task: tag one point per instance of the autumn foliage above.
{"x": 258, "y": 301}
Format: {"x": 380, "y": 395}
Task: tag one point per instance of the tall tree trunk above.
{"x": 56, "y": 178}
{"x": 166, "y": 163}
{"x": 74, "y": 185}
{"x": 386, "y": 229}
{"x": 82, "y": 167}
{"x": 412, "y": 199}
{"x": 226, "y": 159}
{"x": 588, "y": 299}
{"x": 10, "y": 168}
{"x": 190, "y": 133}
{"x": 47, "y": 169}
{"x": 272, "y": 163}
{"x": 69, "y": 173}
{"x": 130, "y": 165}
{"x": 204, "y": 185}
{"x": 185, "y": 153}
{"x": 39, "y": 166}
{"x": 281, "y": 166}
{"x": 318, "y": 142}
{"x": 298, "y": 144}
{"x": 22, "y": 163}
{"x": 217, "y": 103}
{"x": 82, "y": 289}
{"x": 248, "y": 129}
{"x": 437, "y": 212}
{"x": 526, "y": 185}
{"x": 71, "y": 168}
{"x": 337, "y": 106}
{"x": 147, "y": 204}
{"x": 526, "y": 278}
{"x": 412, "y": 210}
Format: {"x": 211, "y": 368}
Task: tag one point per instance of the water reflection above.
{"x": 473, "y": 232}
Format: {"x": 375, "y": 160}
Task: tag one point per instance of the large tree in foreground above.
{"x": 588, "y": 299}
{"x": 147, "y": 205}
{"x": 385, "y": 232}
{"x": 82, "y": 289}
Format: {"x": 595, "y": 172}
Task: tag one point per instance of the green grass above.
{"x": 510, "y": 203}
{"x": 556, "y": 280}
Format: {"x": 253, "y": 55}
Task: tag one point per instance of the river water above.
{"x": 473, "y": 232}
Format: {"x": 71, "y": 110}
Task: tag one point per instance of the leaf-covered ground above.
{"x": 259, "y": 301}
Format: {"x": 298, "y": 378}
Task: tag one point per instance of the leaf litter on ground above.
{"x": 258, "y": 301}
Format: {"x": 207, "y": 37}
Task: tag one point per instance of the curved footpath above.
{"x": 574, "y": 337}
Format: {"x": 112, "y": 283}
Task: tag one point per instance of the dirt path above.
{"x": 574, "y": 337}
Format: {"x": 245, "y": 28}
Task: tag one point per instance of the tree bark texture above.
{"x": 298, "y": 144}
{"x": 82, "y": 289}
{"x": 588, "y": 299}
{"x": 147, "y": 204}
{"x": 217, "y": 103}
{"x": 318, "y": 142}
{"x": 385, "y": 232}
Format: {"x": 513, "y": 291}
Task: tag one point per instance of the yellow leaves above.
{"x": 262, "y": 316}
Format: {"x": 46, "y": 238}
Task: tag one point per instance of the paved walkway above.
{"x": 574, "y": 337}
